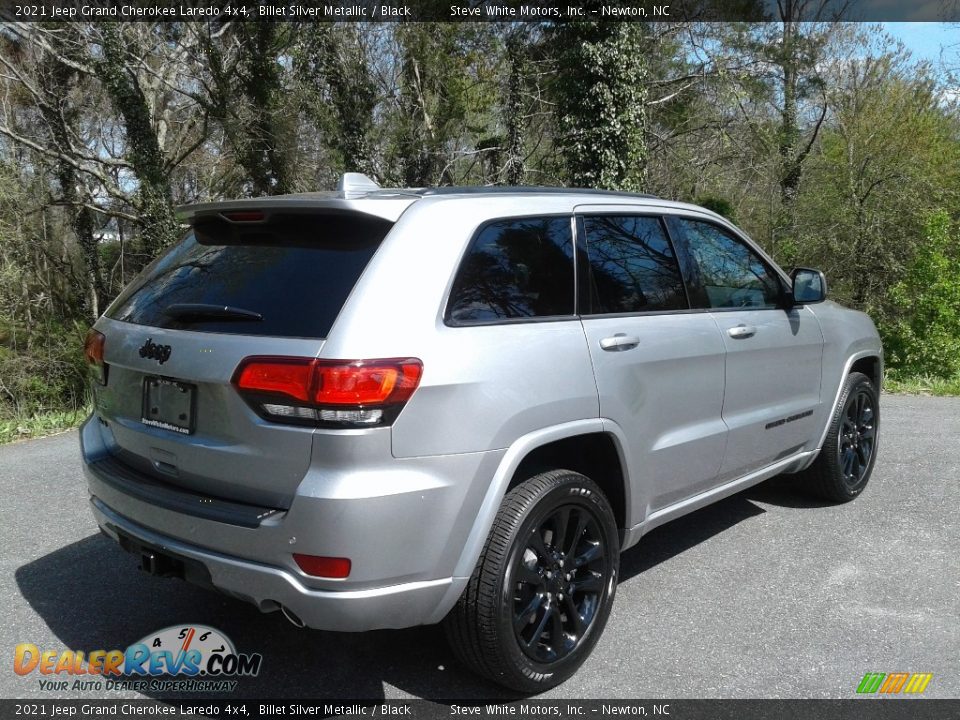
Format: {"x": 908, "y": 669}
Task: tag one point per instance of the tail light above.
{"x": 331, "y": 393}
{"x": 93, "y": 353}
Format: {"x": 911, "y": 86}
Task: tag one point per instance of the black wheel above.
{"x": 843, "y": 467}
{"x": 542, "y": 589}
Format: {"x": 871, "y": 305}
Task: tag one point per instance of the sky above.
{"x": 925, "y": 39}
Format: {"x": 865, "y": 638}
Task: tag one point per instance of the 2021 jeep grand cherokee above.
{"x": 383, "y": 408}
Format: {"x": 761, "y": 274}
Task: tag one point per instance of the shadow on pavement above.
{"x": 92, "y": 596}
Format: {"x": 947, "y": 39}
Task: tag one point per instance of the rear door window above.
{"x": 288, "y": 277}
{"x": 514, "y": 269}
{"x": 633, "y": 267}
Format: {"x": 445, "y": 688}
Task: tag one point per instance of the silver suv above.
{"x": 383, "y": 408}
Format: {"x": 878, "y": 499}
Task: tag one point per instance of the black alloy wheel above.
{"x": 857, "y": 435}
{"x": 843, "y": 467}
{"x": 558, "y": 576}
{"x": 544, "y": 584}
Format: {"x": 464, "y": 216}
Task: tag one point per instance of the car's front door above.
{"x": 773, "y": 351}
{"x": 659, "y": 367}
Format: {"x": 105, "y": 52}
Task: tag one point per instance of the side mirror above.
{"x": 809, "y": 286}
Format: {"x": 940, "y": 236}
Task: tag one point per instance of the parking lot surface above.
{"x": 768, "y": 594}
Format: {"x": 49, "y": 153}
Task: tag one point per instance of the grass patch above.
{"x": 922, "y": 385}
{"x": 45, "y": 423}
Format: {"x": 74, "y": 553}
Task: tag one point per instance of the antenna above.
{"x": 356, "y": 184}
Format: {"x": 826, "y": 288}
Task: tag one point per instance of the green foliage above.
{"x": 601, "y": 90}
{"x": 825, "y": 141}
{"x": 924, "y": 336}
{"x": 888, "y": 159}
{"x": 896, "y": 382}
{"x": 44, "y": 423}
{"x": 41, "y": 371}
{"x": 719, "y": 205}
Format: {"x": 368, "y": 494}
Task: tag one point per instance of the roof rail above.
{"x": 525, "y": 189}
{"x": 356, "y": 185}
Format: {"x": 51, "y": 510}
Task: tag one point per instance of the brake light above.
{"x": 93, "y": 353}
{"x": 328, "y": 567}
{"x": 245, "y": 216}
{"x": 328, "y": 392}
{"x": 367, "y": 384}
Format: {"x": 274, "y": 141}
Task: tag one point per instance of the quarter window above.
{"x": 516, "y": 268}
{"x": 732, "y": 275}
{"x": 632, "y": 266}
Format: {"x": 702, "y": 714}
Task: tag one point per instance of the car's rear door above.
{"x": 773, "y": 352}
{"x": 659, "y": 367}
{"x": 242, "y": 284}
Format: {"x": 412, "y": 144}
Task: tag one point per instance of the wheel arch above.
{"x": 871, "y": 366}
{"x": 596, "y": 455}
{"x": 527, "y": 454}
{"x": 870, "y": 363}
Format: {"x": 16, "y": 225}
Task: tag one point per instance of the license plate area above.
{"x": 169, "y": 404}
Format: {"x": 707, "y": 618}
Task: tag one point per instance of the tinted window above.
{"x": 516, "y": 268}
{"x": 632, "y": 266}
{"x": 732, "y": 274}
{"x": 296, "y": 276}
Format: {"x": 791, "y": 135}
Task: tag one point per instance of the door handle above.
{"x": 742, "y": 331}
{"x": 619, "y": 342}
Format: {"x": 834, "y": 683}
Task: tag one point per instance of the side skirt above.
{"x": 678, "y": 509}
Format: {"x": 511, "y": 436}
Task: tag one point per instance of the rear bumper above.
{"x": 269, "y": 588}
{"x": 403, "y": 523}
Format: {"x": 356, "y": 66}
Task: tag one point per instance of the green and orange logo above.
{"x": 892, "y": 683}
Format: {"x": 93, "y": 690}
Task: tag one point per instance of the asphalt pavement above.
{"x": 767, "y": 594}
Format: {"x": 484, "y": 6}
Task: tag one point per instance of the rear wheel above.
{"x": 541, "y": 592}
{"x": 845, "y": 463}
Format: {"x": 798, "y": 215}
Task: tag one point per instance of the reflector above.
{"x": 329, "y": 567}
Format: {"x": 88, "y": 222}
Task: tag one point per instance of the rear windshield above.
{"x": 288, "y": 277}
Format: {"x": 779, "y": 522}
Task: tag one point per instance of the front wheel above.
{"x": 543, "y": 587}
{"x": 845, "y": 463}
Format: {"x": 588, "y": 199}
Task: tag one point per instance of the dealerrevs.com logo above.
{"x": 180, "y": 658}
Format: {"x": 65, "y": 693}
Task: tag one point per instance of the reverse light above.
{"x": 93, "y": 353}
{"x": 340, "y": 393}
{"x": 328, "y": 567}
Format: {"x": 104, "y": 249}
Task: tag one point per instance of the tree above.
{"x": 440, "y": 90}
{"x": 889, "y": 157}
{"x": 118, "y": 69}
{"x": 601, "y": 91}
{"x": 925, "y": 336}
{"x": 51, "y": 84}
{"x": 333, "y": 70}
{"x": 246, "y": 93}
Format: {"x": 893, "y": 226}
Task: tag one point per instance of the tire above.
{"x": 517, "y": 625}
{"x": 845, "y": 463}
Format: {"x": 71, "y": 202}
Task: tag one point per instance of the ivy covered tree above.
{"x": 601, "y": 92}
{"x": 117, "y": 67}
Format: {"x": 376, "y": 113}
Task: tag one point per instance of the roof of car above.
{"x": 389, "y": 203}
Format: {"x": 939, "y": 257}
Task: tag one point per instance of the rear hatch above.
{"x": 247, "y": 282}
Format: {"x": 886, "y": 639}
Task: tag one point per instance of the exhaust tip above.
{"x": 292, "y": 617}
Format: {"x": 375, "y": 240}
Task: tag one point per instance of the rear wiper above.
{"x": 199, "y": 312}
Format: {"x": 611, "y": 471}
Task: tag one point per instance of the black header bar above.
{"x": 861, "y": 709}
{"x": 306, "y": 11}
